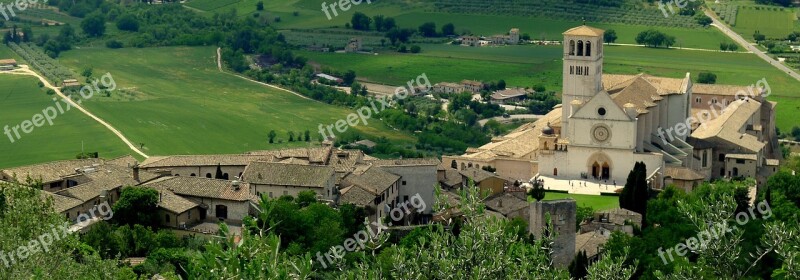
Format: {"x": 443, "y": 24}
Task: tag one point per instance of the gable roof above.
{"x": 50, "y": 171}
{"x": 174, "y": 203}
{"x": 477, "y": 175}
{"x": 406, "y": 162}
{"x": 203, "y": 160}
{"x": 103, "y": 178}
{"x": 585, "y": 30}
{"x": 505, "y": 203}
{"x": 279, "y": 174}
{"x": 203, "y": 187}
{"x": 373, "y": 179}
{"x": 728, "y": 125}
{"x": 356, "y": 195}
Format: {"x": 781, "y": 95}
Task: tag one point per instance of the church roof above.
{"x": 682, "y": 173}
{"x": 639, "y": 92}
{"x": 585, "y": 30}
{"x": 518, "y": 143}
{"x": 664, "y": 86}
{"x": 729, "y": 126}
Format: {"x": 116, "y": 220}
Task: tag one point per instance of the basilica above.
{"x": 684, "y": 133}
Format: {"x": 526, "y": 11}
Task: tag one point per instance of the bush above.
{"x": 415, "y": 49}
{"x": 114, "y": 44}
{"x": 706, "y": 78}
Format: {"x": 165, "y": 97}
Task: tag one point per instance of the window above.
{"x": 225, "y": 176}
{"x": 404, "y": 183}
{"x": 601, "y": 111}
{"x": 698, "y": 100}
{"x": 572, "y": 70}
{"x": 285, "y": 192}
{"x": 405, "y": 198}
{"x": 588, "y": 48}
{"x": 586, "y": 71}
{"x": 740, "y": 161}
{"x": 270, "y": 194}
{"x": 721, "y": 157}
{"x": 222, "y": 211}
{"x": 705, "y": 159}
{"x": 580, "y": 48}
{"x": 208, "y": 175}
{"x": 193, "y": 175}
{"x": 166, "y": 218}
{"x": 571, "y": 47}
{"x": 722, "y": 171}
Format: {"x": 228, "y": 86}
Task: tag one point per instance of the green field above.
{"x": 412, "y": 14}
{"x": 773, "y": 22}
{"x": 530, "y": 65}
{"x": 175, "y": 101}
{"x": 598, "y": 202}
{"x": 20, "y": 99}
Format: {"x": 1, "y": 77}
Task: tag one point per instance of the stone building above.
{"x": 561, "y": 213}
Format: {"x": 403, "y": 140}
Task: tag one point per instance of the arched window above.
{"x": 225, "y": 176}
{"x": 735, "y": 172}
{"x": 469, "y": 165}
{"x": 453, "y": 164}
{"x": 208, "y": 175}
{"x": 571, "y": 47}
{"x": 580, "y": 48}
{"x": 193, "y": 175}
{"x": 555, "y": 171}
{"x": 588, "y": 48}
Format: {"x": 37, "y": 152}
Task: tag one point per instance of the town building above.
{"x": 510, "y": 95}
{"x": 606, "y": 123}
{"x": 561, "y": 216}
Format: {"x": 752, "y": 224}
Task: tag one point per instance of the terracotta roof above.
{"x": 357, "y": 195}
{"x": 203, "y": 160}
{"x": 472, "y": 83}
{"x": 174, "y": 203}
{"x": 752, "y": 157}
{"x": 8, "y": 62}
{"x": 728, "y": 125}
{"x": 407, "y": 162}
{"x": 317, "y": 155}
{"x": 613, "y": 83}
{"x": 374, "y": 180}
{"x": 509, "y": 93}
{"x": 279, "y": 174}
{"x": 50, "y": 171}
{"x": 682, "y": 173}
{"x": 584, "y": 30}
{"x": 203, "y": 187}
{"x": 477, "y": 175}
{"x": 452, "y": 178}
{"x": 127, "y": 161}
{"x": 61, "y": 203}
{"x": 516, "y": 144}
{"x": 640, "y": 92}
{"x": 730, "y": 90}
{"x": 505, "y": 203}
{"x": 591, "y": 242}
{"x": 618, "y": 216}
{"x": 103, "y": 178}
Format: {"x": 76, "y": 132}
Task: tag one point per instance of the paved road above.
{"x": 736, "y": 37}
{"x": 25, "y": 70}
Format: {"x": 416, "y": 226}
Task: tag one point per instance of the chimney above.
{"x": 235, "y": 185}
{"x": 136, "y": 172}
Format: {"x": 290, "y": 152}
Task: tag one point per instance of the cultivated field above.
{"x": 175, "y": 101}
{"x": 20, "y": 99}
{"x": 774, "y": 22}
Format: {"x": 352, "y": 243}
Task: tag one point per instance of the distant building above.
{"x": 472, "y": 41}
{"x": 511, "y": 39}
{"x": 7, "y": 64}
{"x": 448, "y": 88}
{"x": 329, "y": 78}
{"x": 274, "y": 179}
{"x": 354, "y": 45}
{"x": 472, "y": 86}
{"x": 484, "y": 180}
{"x": 510, "y": 204}
{"x": 70, "y": 83}
{"x": 510, "y": 95}
{"x": 218, "y": 200}
{"x": 617, "y": 219}
{"x": 561, "y": 214}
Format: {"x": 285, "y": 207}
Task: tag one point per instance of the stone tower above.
{"x": 583, "y": 67}
{"x": 562, "y": 215}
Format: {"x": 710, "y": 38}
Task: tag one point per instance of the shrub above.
{"x": 706, "y": 78}
{"x": 114, "y": 44}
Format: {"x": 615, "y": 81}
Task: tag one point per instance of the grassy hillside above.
{"x": 773, "y": 22}
{"x": 20, "y": 99}
{"x": 175, "y": 101}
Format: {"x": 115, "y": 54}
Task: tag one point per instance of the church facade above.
{"x": 607, "y": 123}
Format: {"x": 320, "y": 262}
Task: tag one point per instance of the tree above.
{"x": 27, "y": 33}
{"x": 272, "y": 134}
{"x": 610, "y": 36}
{"x": 636, "y": 192}
{"x": 349, "y": 77}
{"x": 758, "y": 37}
{"x": 796, "y": 133}
{"x": 428, "y": 29}
{"x": 218, "y": 174}
{"x": 378, "y": 20}
{"x": 448, "y": 29}
{"x": 291, "y": 136}
{"x": 260, "y": 6}
{"x": 537, "y": 191}
{"x": 307, "y": 136}
{"x": 501, "y": 84}
{"x": 94, "y": 25}
{"x": 415, "y": 49}
{"x": 87, "y": 72}
{"x": 578, "y": 267}
{"x": 654, "y": 38}
{"x": 137, "y": 205}
{"x": 706, "y": 78}
{"x": 360, "y": 21}
{"x": 128, "y": 22}
{"x": 703, "y": 19}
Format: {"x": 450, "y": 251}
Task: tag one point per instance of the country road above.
{"x": 219, "y": 66}
{"x": 738, "y": 38}
{"x": 25, "y": 70}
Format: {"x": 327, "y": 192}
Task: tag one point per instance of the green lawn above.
{"x": 20, "y": 100}
{"x": 530, "y": 65}
{"x": 768, "y": 20}
{"x": 175, "y": 101}
{"x": 598, "y": 202}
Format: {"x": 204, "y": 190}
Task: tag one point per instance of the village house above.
{"x": 510, "y": 95}
{"x": 510, "y": 204}
{"x": 231, "y": 165}
{"x": 273, "y": 180}
{"x": 512, "y": 38}
{"x": 472, "y": 86}
{"x": 485, "y": 181}
{"x": 472, "y": 41}
{"x": 417, "y": 178}
{"x": 369, "y": 181}
{"x": 219, "y": 200}
{"x": 448, "y": 88}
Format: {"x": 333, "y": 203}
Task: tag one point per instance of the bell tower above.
{"x": 583, "y": 68}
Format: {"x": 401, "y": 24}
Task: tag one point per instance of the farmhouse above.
{"x": 472, "y": 86}
{"x": 218, "y": 200}
{"x": 606, "y": 123}
{"x": 354, "y": 45}
{"x": 448, "y": 88}
{"x": 70, "y": 83}
{"x": 511, "y": 39}
{"x": 472, "y": 41}
{"x": 7, "y": 64}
